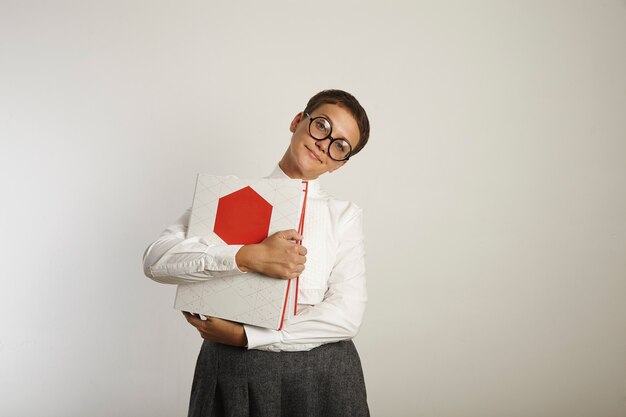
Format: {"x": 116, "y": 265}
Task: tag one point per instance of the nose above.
{"x": 323, "y": 144}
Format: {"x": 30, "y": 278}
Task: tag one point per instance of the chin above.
{"x": 308, "y": 171}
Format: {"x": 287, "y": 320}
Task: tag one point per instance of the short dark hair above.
{"x": 348, "y": 102}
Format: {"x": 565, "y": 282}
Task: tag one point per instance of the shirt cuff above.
{"x": 258, "y": 336}
{"x": 222, "y": 258}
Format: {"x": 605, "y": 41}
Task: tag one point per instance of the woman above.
{"x": 310, "y": 367}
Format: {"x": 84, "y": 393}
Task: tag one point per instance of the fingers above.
{"x": 294, "y": 262}
{"x": 278, "y": 256}
{"x": 292, "y": 271}
{"x": 300, "y": 260}
{"x": 290, "y": 235}
{"x": 218, "y": 330}
{"x": 197, "y": 320}
{"x": 193, "y": 319}
{"x": 203, "y": 326}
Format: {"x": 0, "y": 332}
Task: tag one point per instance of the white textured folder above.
{"x": 249, "y": 298}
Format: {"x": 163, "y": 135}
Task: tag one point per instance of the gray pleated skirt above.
{"x": 235, "y": 382}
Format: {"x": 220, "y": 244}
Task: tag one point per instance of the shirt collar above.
{"x": 314, "y": 185}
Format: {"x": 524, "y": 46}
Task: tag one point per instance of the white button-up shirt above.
{"x": 331, "y": 291}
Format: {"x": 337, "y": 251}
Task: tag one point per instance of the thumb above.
{"x": 290, "y": 235}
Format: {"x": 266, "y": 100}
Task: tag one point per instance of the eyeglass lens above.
{"x": 320, "y": 129}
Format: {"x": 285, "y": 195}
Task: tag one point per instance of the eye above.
{"x": 339, "y": 146}
{"x": 321, "y": 125}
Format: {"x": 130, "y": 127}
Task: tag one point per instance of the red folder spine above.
{"x": 301, "y": 231}
{"x": 299, "y": 242}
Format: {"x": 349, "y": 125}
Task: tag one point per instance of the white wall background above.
{"x": 494, "y": 188}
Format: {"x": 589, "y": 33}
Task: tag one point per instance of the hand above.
{"x": 218, "y": 330}
{"x": 277, "y": 256}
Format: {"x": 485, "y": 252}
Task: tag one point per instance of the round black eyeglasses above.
{"x": 320, "y": 128}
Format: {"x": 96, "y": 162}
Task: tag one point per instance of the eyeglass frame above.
{"x": 329, "y": 136}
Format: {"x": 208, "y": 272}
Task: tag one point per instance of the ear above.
{"x": 295, "y": 121}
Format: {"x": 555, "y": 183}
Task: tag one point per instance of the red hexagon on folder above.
{"x": 243, "y": 217}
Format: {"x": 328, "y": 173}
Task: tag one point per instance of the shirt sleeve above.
{"x": 174, "y": 259}
{"x": 339, "y": 315}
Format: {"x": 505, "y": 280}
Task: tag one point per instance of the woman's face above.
{"x": 308, "y": 158}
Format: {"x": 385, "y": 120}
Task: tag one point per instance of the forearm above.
{"x": 185, "y": 261}
{"x": 337, "y": 318}
{"x": 339, "y": 315}
{"x": 174, "y": 259}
